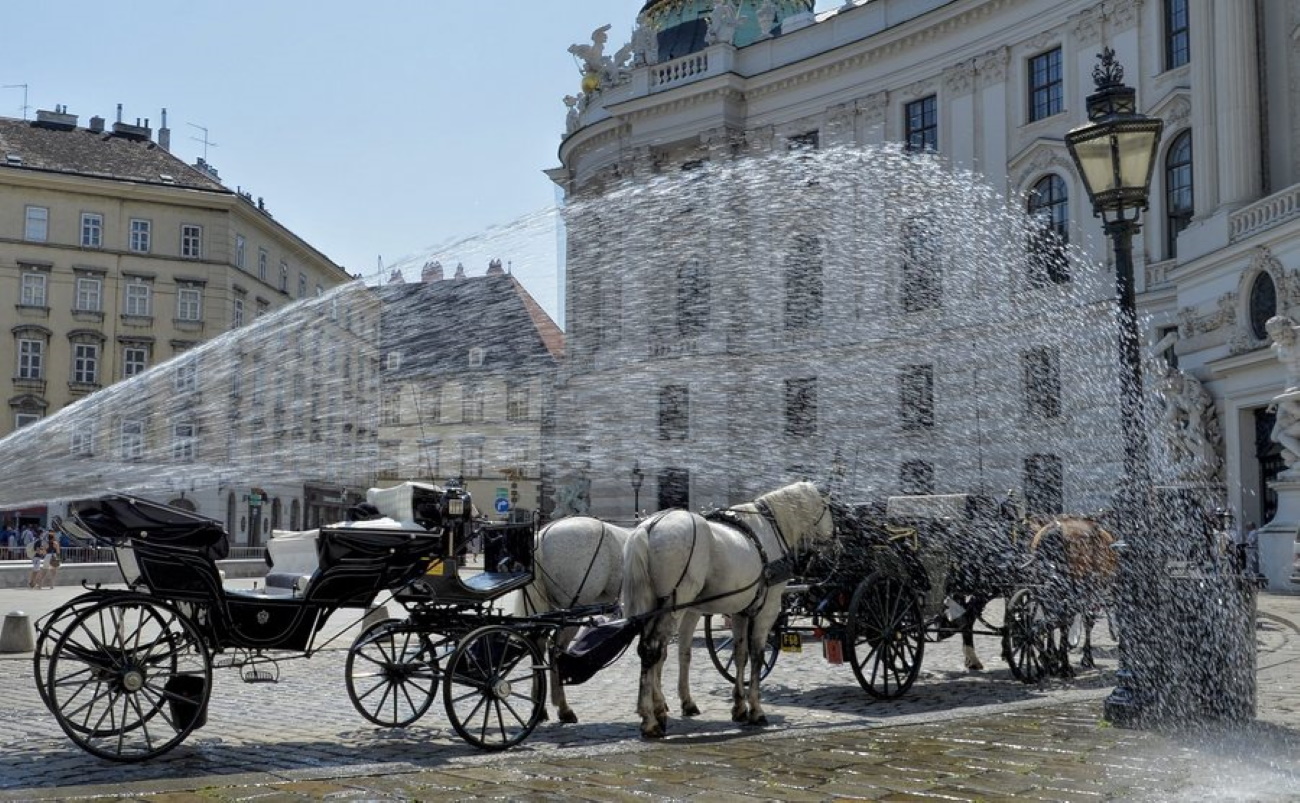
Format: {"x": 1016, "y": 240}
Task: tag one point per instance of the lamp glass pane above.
{"x": 1136, "y": 150}
{"x": 1094, "y": 159}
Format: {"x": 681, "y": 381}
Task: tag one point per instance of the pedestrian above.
{"x": 53, "y": 558}
{"x": 36, "y": 551}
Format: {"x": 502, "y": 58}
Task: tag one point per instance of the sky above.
{"x": 401, "y": 130}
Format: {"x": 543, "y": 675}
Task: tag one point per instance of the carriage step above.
{"x": 260, "y": 676}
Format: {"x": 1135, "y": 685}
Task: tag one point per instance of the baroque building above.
{"x": 115, "y": 257}
{"x": 989, "y": 87}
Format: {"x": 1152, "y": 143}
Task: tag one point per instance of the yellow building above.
{"x": 115, "y": 255}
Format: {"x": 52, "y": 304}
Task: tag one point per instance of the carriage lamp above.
{"x": 1115, "y": 154}
{"x": 638, "y": 477}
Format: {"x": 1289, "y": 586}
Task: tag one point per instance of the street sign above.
{"x": 503, "y": 505}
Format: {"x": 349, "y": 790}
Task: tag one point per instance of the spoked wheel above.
{"x": 494, "y": 687}
{"x": 129, "y": 679}
{"x": 886, "y": 635}
{"x": 392, "y": 674}
{"x": 52, "y": 627}
{"x": 1029, "y": 638}
{"x": 721, "y": 645}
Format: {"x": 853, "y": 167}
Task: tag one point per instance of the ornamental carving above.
{"x": 959, "y": 79}
{"x": 1123, "y": 13}
{"x": 1042, "y": 160}
{"x": 872, "y": 108}
{"x": 991, "y": 68}
{"x": 1191, "y": 324}
{"x": 1087, "y": 25}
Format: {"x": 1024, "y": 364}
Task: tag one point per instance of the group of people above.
{"x": 44, "y": 547}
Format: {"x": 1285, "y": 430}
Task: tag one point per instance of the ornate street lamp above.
{"x": 638, "y": 477}
{"x": 1115, "y": 154}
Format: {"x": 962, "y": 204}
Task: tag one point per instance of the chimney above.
{"x": 495, "y": 269}
{"x": 97, "y": 124}
{"x": 432, "y": 272}
{"x": 136, "y": 133}
{"x": 396, "y": 277}
{"x": 165, "y": 134}
{"x": 460, "y": 271}
{"x": 59, "y": 119}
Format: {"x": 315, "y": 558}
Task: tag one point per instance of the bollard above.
{"x": 377, "y": 614}
{"x": 16, "y": 636}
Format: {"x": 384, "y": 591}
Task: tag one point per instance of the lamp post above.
{"x": 1115, "y": 154}
{"x": 638, "y": 477}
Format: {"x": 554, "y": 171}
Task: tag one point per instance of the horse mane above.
{"x": 793, "y": 507}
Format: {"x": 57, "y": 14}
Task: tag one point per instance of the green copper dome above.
{"x": 683, "y": 25}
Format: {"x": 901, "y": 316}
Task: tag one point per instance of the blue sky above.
{"x": 398, "y": 128}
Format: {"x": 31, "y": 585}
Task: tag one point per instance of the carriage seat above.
{"x": 445, "y": 584}
{"x": 293, "y": 583}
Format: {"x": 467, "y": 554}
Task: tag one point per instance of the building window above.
{"x": 23, "y": 419}
{"x": 808, "y": 141}
{"x": 922, "y": 284}
{"x": 916, "y": 478}
{"x": 33, "y": 292}
{"x": 92, "y": 230}
{"x": 476, "y": 357}
{"x": 131, "y": 440}
{"x": 471, "y": 458}
{"x": 85, "y": 363}
{"x": 138, "y": 299}
{"x": 674, "y": 413}
{"x": 390, "y": 408}
{"x": 1044, "y": 485}
{"x": 183, "y": 442}
{"x": 82, "y": 440}
{"x": 916, "y": 397}
{"x": 1263, "y": 304}
{"x": 302, "y": 285}
{"x": 191, "y": 241}
{"x": 432, "y": 405}
{"x": 801, "y": 407}
{"x": 261, "y": 263}
{"x": 471, "y": 406}
{"x": 1178, "y": 191}
{"x": 1045, "y": 85}
{"x": 693, "y": 288}
{"x": 237, "y": 313}
{"x": 189, "y": 304}
{"x": 284, "y": 276}
{"x": 922, "y": 121}
{"x": 31, "y": 359}
{"x": 37, "y": 228}
{"x": 803, "y": 284}
{"x": 1042, "y": 382}
{"x": 517, "y": 403}
{"x": 187, "y": 376}
{"x": 135, "y": 359}
{"x": 1050, "y": 207}
{"x": 90, "y": 294}
{"x": 1178, "y": 49}
{"x": 241, "y": 250}
{"x": 140, "y": 235}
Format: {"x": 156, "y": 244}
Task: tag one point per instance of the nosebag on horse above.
{"x": 737, "y": 562}
{"x": 578, "y": 562}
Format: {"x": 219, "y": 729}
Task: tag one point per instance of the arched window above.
{"x": 1178, "y": 191}
{"x": 1049, "y": 205}
{"x": 1263, "y": 304}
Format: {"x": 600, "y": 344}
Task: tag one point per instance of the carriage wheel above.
{"x": 392, "y": 674}
{"x": 52, "y": 629}
{"x": 886, "y": 635}
{"x": 1028, "y": 637}
{"x": 129, "y": 679}
{"x": 721, "y": 645}
{"x": 494, "y": 687}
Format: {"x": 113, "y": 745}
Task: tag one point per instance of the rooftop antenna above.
{"x": 23, "y": 87}
{"x": 206, "y": 142}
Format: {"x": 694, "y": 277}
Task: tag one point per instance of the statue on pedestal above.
{"x": 1189, "y": 422}
{"x": 723, "y": 22}
{"x": 1286, "y": 432}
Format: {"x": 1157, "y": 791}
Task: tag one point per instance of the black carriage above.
{"x": 128, "y": 673}
{"x": 917, "y": 570}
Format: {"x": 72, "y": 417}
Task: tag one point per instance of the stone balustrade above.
{"x": 1264, "y": 214}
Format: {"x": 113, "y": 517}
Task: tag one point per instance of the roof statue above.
{"x": 723, "y": 22}
{"x": 599, "y": 70}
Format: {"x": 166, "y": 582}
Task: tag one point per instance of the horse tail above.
{"x": 638, "y": 588}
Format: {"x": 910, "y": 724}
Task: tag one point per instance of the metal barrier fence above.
{"x": 90, "y": 554}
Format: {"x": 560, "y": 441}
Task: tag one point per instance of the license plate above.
{"x": 791, "y": 642}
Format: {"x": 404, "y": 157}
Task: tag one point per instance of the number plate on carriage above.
{"x": 791, "y": 642}
{"x": 436, "y": 569}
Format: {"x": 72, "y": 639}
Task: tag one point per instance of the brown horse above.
{"x": 1076, "y": 563}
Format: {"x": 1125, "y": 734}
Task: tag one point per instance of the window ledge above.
{"x": 137, "y": 320}
{"x": 88, "y": 315}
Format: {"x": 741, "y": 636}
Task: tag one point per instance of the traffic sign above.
{"x": 503, "y": 505}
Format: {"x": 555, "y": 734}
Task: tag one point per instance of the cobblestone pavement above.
{"x": 954, "y": 735}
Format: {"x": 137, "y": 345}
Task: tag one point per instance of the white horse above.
{"x": 738, "y": 565}
{"x": 578, "y": 561}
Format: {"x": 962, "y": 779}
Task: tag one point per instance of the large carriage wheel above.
{"x": 392, "y": 674}
{"x": 1029, "y": 637}
{"x": 721, "y": 646}
{"x": 494, "y": 687}
{"x": 52, "y": 628}
{"x": 886, "y": 635}
{"x": 129, "y": 679}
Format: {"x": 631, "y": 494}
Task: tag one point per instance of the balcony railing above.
{"x": 1265, "y": 214}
